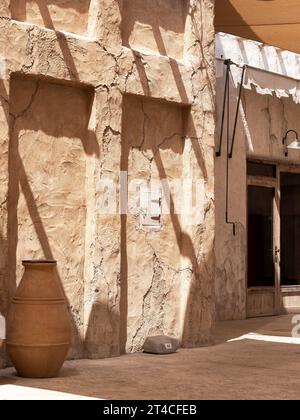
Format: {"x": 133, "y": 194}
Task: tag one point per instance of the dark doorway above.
{"x": 290, "y": 229}
{"x": 261, "y": 270}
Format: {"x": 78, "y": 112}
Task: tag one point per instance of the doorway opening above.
{"x": 273, "y": 223}
{"x": 262, "y": 222}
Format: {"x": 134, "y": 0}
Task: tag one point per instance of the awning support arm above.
{"x": 237, "y": 111}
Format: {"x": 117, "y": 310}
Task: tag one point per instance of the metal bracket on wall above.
{"x": 230, "y": 145}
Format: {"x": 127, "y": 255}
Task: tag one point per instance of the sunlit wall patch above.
{"x": 2, "y": 327}
{"x": 2, "y": 67}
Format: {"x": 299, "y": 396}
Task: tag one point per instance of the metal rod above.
{"x": 227, "y": 154}
{"x": 237, "y": 112}
{"x": 226, "y": 110}
{"x": 227, "y": 63}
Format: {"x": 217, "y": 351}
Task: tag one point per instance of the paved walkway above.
{"x": 251, "y": 359}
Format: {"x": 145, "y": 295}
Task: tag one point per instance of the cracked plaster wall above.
{"x": 147, "y": 26}
{"x": 112, "y": 70}
{"x": 154, "y": 149}
{"x": 47, "y": 198}
{"x": 262, "y": 123}
{"x": 67, "y": 15}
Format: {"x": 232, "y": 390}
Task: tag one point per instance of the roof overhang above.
{"x": 273, "y": 22}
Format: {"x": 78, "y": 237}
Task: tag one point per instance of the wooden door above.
{"x": 263, "y": 226}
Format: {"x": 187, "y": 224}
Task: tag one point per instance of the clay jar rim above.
{"x": 39, "y": 262}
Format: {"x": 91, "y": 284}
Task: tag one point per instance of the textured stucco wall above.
{"x": 230, "y": 250}
{"x": 154, "y": 148}
{"x": 115, "y": 277}
{"x": 263, "y": 121}
{"x": 67, "y": 15}
{"x": 47, "y": 168}
{"x": 147, "y": 25}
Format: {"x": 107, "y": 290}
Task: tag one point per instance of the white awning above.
{"x": 270, "y": 70}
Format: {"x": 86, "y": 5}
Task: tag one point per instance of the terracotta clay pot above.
{"x": 38, "y": 322}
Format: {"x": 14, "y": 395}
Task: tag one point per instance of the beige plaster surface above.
{"x": 40, "y": 63}
{"x": 147, "y": 25}
{"x": 263, "y": 121}
{"x": 66, "y": 15}
{"x": 230, "y": 279}
{"x": 243, "y": 369}
{"x": 47, "y": 202}
{"x": 154, "y": 146}
{"x": 157, "y": 147}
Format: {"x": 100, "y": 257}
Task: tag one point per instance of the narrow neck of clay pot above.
{"x": 39, "y": 264}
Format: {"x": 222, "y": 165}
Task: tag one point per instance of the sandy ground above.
{"x": 250, "y": 359}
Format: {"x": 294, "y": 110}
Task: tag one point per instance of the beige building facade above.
{"x": 257, "y": 268}
{"x": 110, "y": 119}
{"x": 97, "y": 94}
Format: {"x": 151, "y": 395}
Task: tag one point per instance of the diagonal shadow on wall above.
{"x": 18, "y": 179}
{"x": 200, "y": 295}
{"x": 20, "y": 182}
{"x": 47, "y": 121}
{"x": 41, "y": 232}
{"x": 18, "y": 9}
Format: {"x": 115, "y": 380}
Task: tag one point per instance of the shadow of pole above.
{"x": 61, "y": 38}
{"x": 200, "y": 38}
{"x": 186, "y": 248}
{"x": 173, "y": 64}
{"x": 142, "y": 73}
{"x": 124, "y": 260}
{"x": 18, "y": 7}
{"x": 18, "y": 177}
{"x": 4, "y": 100}
{"x": 18, "y": 180}
{"x": 48, "y": 22}
{"x": 8, "y": 285}
{"x": 184, "y": 242}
